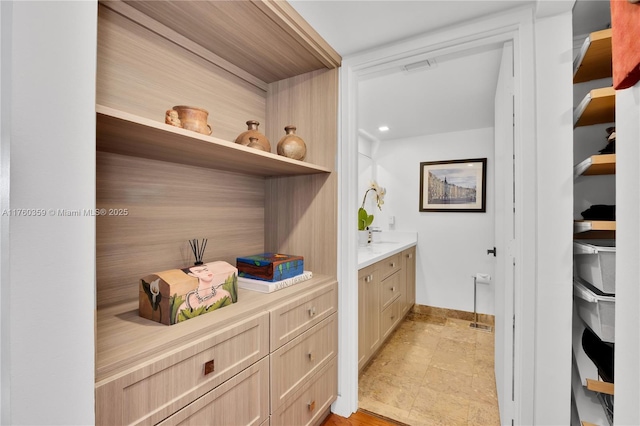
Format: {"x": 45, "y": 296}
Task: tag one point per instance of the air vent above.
{"x": 420, "y": 65}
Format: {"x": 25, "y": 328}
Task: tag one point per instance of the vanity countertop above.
{"x": 385, "y": 244}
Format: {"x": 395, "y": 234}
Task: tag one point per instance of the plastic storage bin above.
{"x": 595, "y": 263}
{"x": 597, "y": 311}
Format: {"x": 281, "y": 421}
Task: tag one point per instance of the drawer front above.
{"x": 390, "y": 317}
{"x": 390, "y": 289}
{"x": 295, "y": 362}
{"x": 162, "y": 387}
{"x": 242, "y": 400}
{"x": 389, "y": 265}
{"x": 295, "y": 317}
{"x": 308, "y": 404}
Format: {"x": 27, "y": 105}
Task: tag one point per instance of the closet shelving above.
{"x": 597, "y": 107}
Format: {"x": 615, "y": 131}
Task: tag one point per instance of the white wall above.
{"x": 627, "y": 374}
{"x": 51, "y": 265}
{"x": 452, "y": 247}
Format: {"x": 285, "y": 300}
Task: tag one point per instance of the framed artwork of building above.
{"x": 453, "y": 186}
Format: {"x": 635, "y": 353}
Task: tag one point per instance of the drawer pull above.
{"x": 393, "y": 289}
{"x": 410, "y": 255}
{"x": 311, "y": 357}
{"x": 311, "y": 405}
{"x": 312, "y": 311}
{"x": 393, "y": 264}
{"x": 208, "y": 367}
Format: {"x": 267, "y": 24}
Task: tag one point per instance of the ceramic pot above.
{"x": 244, "y": 138}
{"x": 292, "y": 145}
{"x": 363, "y": 238}
{"x": 189, "y": 118}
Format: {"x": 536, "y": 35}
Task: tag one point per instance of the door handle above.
{"x": 490, "y": 251}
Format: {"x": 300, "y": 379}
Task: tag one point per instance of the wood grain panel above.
{"x": 143, "y": 394}
{"x": 145, "y": 74}
{"x": 305, "y": 221}
{"x": 169, "y": 204}
{"x": 247, "y": 34}
{"x": 390, "y": 289}
{"x": 242, "y": 401}
{"x": 596, "y": 62}
{"x": 298, "y": 360}
{"x": 308, "y": 405}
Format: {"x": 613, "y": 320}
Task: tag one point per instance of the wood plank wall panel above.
{"x": 143, "y": 73}
{"x": 168, "y": 204}
{"x": 301, "y": 212}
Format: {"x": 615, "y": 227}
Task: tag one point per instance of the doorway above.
{"x": 482, "y": 34}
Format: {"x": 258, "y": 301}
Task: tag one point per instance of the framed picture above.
{"x": 453, "y": 186}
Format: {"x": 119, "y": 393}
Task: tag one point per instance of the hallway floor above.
{"x": 433, "y": 371}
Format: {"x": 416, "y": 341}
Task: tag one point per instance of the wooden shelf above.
{"x": 594, "y": 60}
{"x": 587, "y": 404}
{"x": 594, "y": 229}
{"x": 604, "y": 164}
{"x": 598, "y": 106}
{"x": 600, "y": 386}
{"x": 127, "y": 134}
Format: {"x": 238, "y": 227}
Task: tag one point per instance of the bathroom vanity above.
{"x": 386, "y": 289}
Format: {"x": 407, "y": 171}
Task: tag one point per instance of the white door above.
{"x": 505, "y": 236}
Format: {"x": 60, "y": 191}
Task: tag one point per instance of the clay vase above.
{"x": 244, "y": 138}
{"x": 255, "y": 143}
{"x": 189, "y": 118}
{"x": 292, "y": 145}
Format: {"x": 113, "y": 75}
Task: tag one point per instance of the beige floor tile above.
{"x": 393, "y": 390}
{"x": 460, "y": 334}
{"x": 436, "y": 408}
{"x": 449, "y": 382}
{"x": 451, "y": 345}
{"x": 458, "y": 323}
{"x": 454, "y": 361}
{"x": 481, "y": 414}
{"x": 483, "y": 389}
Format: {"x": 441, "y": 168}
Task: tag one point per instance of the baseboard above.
{"x": 452, "y": 313}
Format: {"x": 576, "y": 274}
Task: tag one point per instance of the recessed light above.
{"x": 383, "y": 128}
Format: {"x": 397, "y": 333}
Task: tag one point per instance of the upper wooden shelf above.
{"x": 604, "y": 164}
{"x": 594, "y": 229}
{"x": 267, "y": 39}
{"x": 127, "y": 134}
{"x": 598, "y": 106}
{"x": 594, "y": 60}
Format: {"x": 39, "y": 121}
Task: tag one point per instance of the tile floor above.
{"x": 433, "y": 371}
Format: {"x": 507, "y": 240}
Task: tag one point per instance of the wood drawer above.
{"x": 389, "y": 317}
{"x": 389, "y": 265}
{"x": 164, "y": 385}
{"x": 390, "y": 289}
{"x": 301, "y": 358}
{"x": 242, "y": 400}
{"x": 307, "y": 405}
{"x": 298, "y": 315}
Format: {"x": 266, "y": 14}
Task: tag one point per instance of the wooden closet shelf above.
{"x": 604, "y": 164}
{"x": 599, "y": 386}
{"x": 594, "y": 60}
{"x": 598, "y": 106}
{"x": 594, "y": 229}
{"x": 127, "y": 134}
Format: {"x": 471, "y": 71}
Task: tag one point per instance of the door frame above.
{"x": 516, "y": 26}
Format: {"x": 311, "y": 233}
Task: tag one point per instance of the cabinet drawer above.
{"x": 164, "y": 385}
{"x": 242, "y": 400}
{"x": 307, "y": 405}
{"x": 389, "y": 265}
{"x": 301, "y": 358}
{"x": 295, "y": 317}
{"x": 389, "y": 318}
{"x": 390, "y": 289}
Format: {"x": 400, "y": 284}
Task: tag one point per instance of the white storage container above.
{"x": 595, "y": 263}
{"x": 597, "y": 311}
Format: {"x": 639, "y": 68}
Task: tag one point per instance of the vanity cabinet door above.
{"x": 389, "y": 265}
{"x": 390, "y": 289}
{"x": 409, "y": 271}
{"x": 368, "y": 313}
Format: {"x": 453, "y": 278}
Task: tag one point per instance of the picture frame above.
{"x": 454, "y": 186}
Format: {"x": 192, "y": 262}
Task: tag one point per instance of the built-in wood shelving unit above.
{"x": 594, "y": 229}
{"x": 122, "y": 133}
{"x": 598, "y": 106}
{"x": 604, "y": 164}
{"x": 594, "y": 60}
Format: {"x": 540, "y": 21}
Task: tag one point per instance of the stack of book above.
{"x": 269, "y": 272}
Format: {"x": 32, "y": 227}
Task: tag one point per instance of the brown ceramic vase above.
{"x": 189, "y": 118}
{"x": 262, "y": 142}
{"x": 292, "y": 145}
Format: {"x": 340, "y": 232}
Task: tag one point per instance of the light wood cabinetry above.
{"x": 241, "y": 61}
{"x": 386, "y": 292}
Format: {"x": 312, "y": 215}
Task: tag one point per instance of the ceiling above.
{"x": 421, "y": 102}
